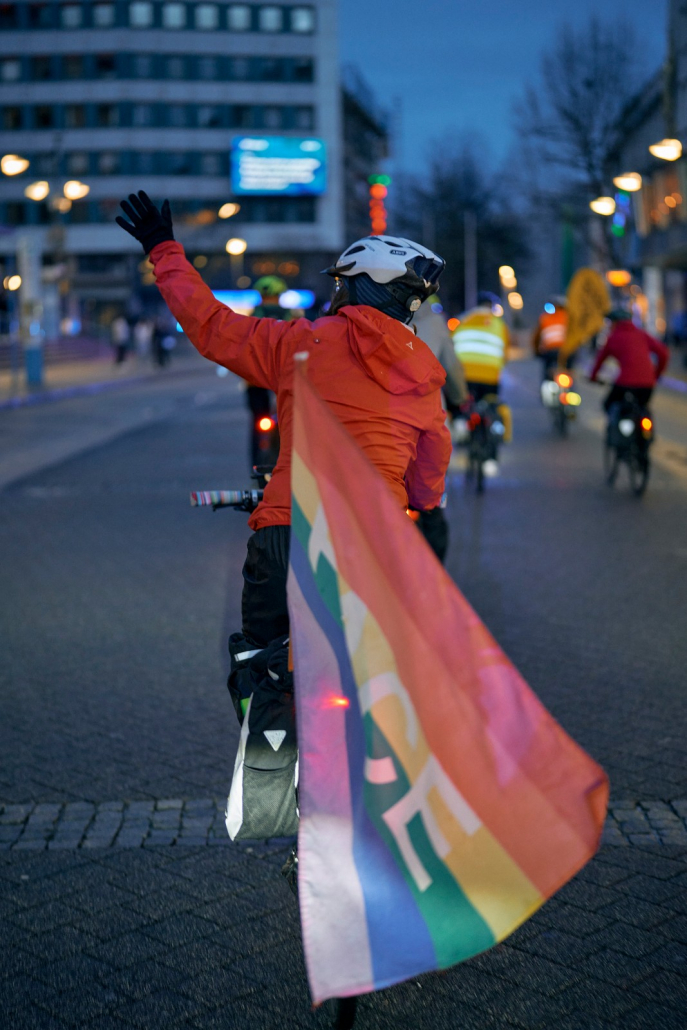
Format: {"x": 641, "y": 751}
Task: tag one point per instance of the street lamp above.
{"x": 667, "y": 149}
{"x": 505, "y": 271}
{"x": 12, "y": 282}
{"x": 515, "y": 300}
{"x": 236, "y": 246}
{"x": 603, "y": 205}
{"x": 37, "y": 190}
{"x": 75, "y": 190}
{"x": 13, "y": 164}
{"x": 628, "y": 181}
{"x": 229, "y": 210}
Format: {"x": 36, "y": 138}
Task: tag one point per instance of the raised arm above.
{"x": 253, "y": 348}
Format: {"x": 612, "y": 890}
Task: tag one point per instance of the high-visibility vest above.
{"x": 552, "y": 330}
{"x": 480, "y": 342}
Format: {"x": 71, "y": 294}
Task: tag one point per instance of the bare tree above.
{"x": 432, "y": 209}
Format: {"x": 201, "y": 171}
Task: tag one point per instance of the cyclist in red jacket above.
{"x": 381, "y": 381}
{"x": 634, "y": 351}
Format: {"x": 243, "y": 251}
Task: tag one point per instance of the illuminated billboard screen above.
{"x": 278, "y": 166}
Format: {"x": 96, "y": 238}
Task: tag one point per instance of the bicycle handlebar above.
{"x": 245, "y": 500}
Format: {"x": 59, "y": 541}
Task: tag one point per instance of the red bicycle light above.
{"x": 563, "y": 379}
{"x": 647, "y": 424}
{"x": 564, "y": 398}
{"x": 265, "y": 423}
{"x": 414, "y": 515}
{"x": 474, "y": 420}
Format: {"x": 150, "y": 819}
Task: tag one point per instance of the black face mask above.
{"x": 364, "y": 290}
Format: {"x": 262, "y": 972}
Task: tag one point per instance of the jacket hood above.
{"x": 390, "y": 353}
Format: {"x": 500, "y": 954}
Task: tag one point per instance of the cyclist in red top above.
{"x": 381, "y": 381}
{"x": 634, "y": 351}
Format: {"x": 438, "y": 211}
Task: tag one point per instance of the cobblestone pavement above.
{"x": 188, "y": 823}
{"x": 139, "y": 913}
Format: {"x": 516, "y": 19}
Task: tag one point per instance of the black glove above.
{"x": 148, "y": 225}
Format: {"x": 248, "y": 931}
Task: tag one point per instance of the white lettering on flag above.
{"x": 416, "y": 801}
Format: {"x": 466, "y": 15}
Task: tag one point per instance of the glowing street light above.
{"x": 515, "y": 300}
{"x": 12, "y": 282}
{"x": 229, "y": 210}
{"x": 603, "y": 205}
{"x": 506, "y": 272}
{"x": 75, "y": 190}
{"x": 236, "y": 246}
{"x": 667, "y": 149}
{"x": 37, "y": 190}
{"x": 509, "y": 282}
{"x": 13, "y": 164}
{"x": 619, "y": 277}
{"x": 628, "y": 181}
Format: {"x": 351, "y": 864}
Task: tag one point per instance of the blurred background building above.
{"x": 234, "y": 111}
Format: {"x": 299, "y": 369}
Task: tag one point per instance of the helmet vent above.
{"x": 353, "y": 250}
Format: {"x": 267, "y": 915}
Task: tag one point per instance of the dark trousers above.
{"x": 616, "y": 395}
{"x": 264, "y": 613}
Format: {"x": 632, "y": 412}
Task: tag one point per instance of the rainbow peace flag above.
{"x": 440, "y": 803}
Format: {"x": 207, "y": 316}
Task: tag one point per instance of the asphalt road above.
{"x": 117, "y": 599}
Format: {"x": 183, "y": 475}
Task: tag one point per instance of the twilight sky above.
{"x": 458, "y": 65}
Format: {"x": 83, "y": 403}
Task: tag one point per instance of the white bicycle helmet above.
{"x": 389, "y": 273}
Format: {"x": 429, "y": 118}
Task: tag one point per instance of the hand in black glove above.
{"x": 148, "y": 225}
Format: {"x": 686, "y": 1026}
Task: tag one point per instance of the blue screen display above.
{"x": 278, "y": 166}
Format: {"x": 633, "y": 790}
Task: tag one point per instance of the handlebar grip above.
{"x": 216, "y": 498}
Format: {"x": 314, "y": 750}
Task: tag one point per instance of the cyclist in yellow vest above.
{"x": 481, "y": 342}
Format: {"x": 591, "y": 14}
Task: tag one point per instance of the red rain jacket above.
{"x": 632, "y": 349}
{"x": 380, "y": 380}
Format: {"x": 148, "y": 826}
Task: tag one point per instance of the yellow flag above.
{"x": 588, "y": 302}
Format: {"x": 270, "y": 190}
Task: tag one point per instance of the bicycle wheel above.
{"x": 560, "y": 420}
{"x": 611, "y": 464}
{"x": 639, "y": 472}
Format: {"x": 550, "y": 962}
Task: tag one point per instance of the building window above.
{"x": 176, "y": 67}
{"x": 272, "y": 117}
{"x": 239, "y": 18}
{"x": 79, "y": 212}
{"x": 107, "y": 115}
{"x": 210, "y": 164}
{"x": 71, "y": 16}
{"x": 207, "y": 16}
{"x": 11, "y": 118}
{"x": 141, "y": 14}
{"x": 176, "y": 116}
{"x": 10, "y": 70}
{"x": 304, "y": 118}
{"x": 174, "y": 16}
{"x": 207, "y": 67}
{"x": 8, "y": 16}
{"x": 108, "y": 162}
{"x": 103, "y": 15}
{"x": 72, "y": 66}
{"x": 302, "y": 19}
{"x": 144, "y": 162}
{"x": 43, "y": 117}
{"x": 303, "y": 69}
{"x": 41, "y": 16}
{"x": 41, "y": 68}
{"x": 142, "y": 115}
{"x": 271, "y": 69}
{"x": 75, "y": 116}
{"x": 179, "y": 164}
{"x": 105, "y": 66}
{"x": 271, "y": 19}
{"x": 77, "y": 163}
{"x": 242, "y": 116}
{"x": 143, "y": 66}
{"x": 209, "y": 117}
{"x": 14, "y": 212}
{"x": 239, "y": 69}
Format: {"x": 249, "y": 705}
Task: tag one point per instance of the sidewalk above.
{"x": 76, "y": 378}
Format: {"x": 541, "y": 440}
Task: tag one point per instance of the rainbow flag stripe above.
{"x": 440, "y": 803}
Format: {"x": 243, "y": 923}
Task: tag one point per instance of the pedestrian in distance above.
{"x": 121, "y": 337}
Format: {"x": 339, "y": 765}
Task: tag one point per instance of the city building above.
{"x": 365, "y": 148}
{"x": 219, "y": 106}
